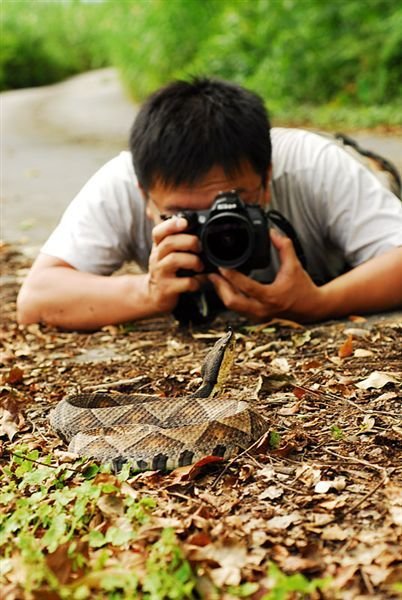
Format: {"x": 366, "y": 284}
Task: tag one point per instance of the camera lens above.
{"x": 227, "y": 240}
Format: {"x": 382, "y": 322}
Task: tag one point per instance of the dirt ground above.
{"x": 321, "y": 495}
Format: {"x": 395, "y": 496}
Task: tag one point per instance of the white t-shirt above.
{"x": 341, "y": 212}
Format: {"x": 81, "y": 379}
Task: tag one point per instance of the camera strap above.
{"x": 282, "y": 223}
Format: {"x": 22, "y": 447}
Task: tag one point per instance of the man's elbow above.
{"x": 28, "y": 306}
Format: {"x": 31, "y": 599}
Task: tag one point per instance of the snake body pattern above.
{"x": 155, "y": 433}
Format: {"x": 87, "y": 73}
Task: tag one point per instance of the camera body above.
{"x": 232, "y": 234}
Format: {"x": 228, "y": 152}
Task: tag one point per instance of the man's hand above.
{"x": 172, "y": 249}
{"x": 292, "y": 293}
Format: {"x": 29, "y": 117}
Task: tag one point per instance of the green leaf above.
{"x": 282, "y": 585}
{"x": 244, "y": 590}
{"x": 337, "y": 432}
{"x": 96, "y": 539}
{"x": 274, "y": 440}
{"x": 91, "y": 471}
{"x": 55, "y": 534}
{"x": 118, "y": 537}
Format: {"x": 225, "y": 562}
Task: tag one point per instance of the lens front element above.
{"x": 227, "y": 240}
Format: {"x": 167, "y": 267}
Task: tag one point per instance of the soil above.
{"x": 322, "y": 492}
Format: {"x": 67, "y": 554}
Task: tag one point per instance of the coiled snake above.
{"x": 151, "y": 432}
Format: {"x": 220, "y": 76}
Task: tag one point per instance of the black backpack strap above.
{"x": 282, "y": 223}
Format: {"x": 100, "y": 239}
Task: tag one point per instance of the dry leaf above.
{"x": 273, "y": 382}
{"x": 386, "y": 396}
{"x": 228, "y": 575}
{"x": 280, "y": 364}
{"x": 377, "y": 379}
{"x": 347, "y": 348}
{"x": 367, "y": 424}
{"x": 336, "y": 533}
{"x": 9, "y": 425}
{"x": 299, "y": 392}
{"x": 200, "y": 538}
{"x": 356, "y": 332}
{"x": 13, "y": 376}
{"x": 111, "y": 505}
{"x": 271, "y": 492}
{"x": 284, "y": 323}
{"x": 299, "y": 339}
{"x": 284, "y": 522}
{"x": 296, "y": 564}
{"x": 362, "y": 353}
{"x": 394, "y": 496}
{"x": 323, "y": 486}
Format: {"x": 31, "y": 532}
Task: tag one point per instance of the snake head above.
{"x": 217, "y": 365}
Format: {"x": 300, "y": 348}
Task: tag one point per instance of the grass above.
{"x": 314, "y": 63}
{"x": 71, "y": 529}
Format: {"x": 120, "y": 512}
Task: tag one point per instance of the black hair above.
{"x": 188, "y": 127}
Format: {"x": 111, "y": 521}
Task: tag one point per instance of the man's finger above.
{"x": 168, "y": 227}
{"x": 284, "y": 245}
{"x": 233, "y": 298}
{"x": 173, "y": 286}
{"x": 246, "y": 285}
{"x": 179, "y": 242}
{"x": 174, "y": 261}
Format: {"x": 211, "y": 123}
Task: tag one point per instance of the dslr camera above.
{"x": 232, "y": 234}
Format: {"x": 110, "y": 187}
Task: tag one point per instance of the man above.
{"x": 189, "y": 142}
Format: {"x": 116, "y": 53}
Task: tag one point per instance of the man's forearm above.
{"x": 372, "y": 286}
{"x": 64, "y": 297}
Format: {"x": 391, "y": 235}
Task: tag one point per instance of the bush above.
{"x": 298, "y": 54}
{"x": 44, "y": 42}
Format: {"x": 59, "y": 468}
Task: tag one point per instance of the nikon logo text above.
{"x": 226, "y": 206}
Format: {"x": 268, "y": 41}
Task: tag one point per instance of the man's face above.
{"x": 163, "y": 200}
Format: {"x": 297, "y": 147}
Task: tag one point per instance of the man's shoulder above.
{"x": 115, "y": 183}
{"x": 289, "y": 137}
{"x": 121, "y": 167}
{"x": 296, "y": 149}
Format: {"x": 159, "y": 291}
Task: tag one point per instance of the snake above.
{"x": 155, "y": 433}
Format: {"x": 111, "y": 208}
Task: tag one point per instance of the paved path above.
{"x": 54, "y": 138}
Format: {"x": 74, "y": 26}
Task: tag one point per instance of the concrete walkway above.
{"x": 54, "y": 138}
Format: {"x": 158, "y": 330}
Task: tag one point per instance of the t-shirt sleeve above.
{"x": 105, "y": 224}
{"x": 357, "y": 214}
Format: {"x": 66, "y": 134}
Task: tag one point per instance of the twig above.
{"x": 366, "y": 581}
{"x": 38, "y": 462}
{"x": 114, "y": 384}
{"x": 358, "y": 460}
{"x": 367, "y": 496}
{"x": 329, "y": 396}
{"x": 231, "y": 462}
{"x": 183, "y": 497}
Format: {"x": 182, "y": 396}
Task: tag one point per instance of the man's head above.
{"x": 189, "y": 131}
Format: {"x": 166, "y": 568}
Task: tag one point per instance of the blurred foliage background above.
{"x": 327, "y": 63}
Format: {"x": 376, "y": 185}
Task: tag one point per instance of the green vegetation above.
{"x": 337, "y": 432}
{"x": 73, "y": 531}
{"x": 45, "y": 42}
{"x": 328, "y": 62}
{"x": 286, "y": 586}
{"x": 63, "y": 524}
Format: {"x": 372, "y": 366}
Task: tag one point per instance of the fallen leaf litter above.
{"x": 320, "y": 495}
